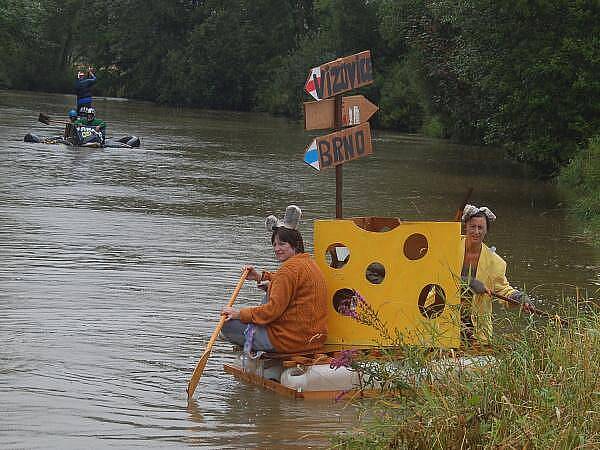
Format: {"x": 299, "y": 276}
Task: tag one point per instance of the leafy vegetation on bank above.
{"x": 542, "y": 392}
{"x": 519, "y": 74}
{"x": 582, "y": 178}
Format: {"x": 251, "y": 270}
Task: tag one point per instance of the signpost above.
{"x": 337, "y": 148}
{"x": 339, "y": 76}
{"x": 344, "y": 144}
{"x": 356, "y": 109}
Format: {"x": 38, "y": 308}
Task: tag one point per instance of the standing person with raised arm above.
{"x": 83, "y": 88}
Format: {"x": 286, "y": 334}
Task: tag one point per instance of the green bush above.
{"x": 522, "y": 75}
{"x": 581, "y": 179}
{"x": 284, "y": 94}
{"x": 402, "y": 106}
{"x": 433, "y": 127}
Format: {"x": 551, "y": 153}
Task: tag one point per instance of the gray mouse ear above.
{"x": 292, "y": 217}
{"x": 270, "y": 222}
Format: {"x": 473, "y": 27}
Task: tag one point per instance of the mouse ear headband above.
{"x": 290, "y": 219}
{"x": 471, "y": 210}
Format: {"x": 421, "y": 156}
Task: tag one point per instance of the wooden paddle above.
{"x": 44, "y": 119}
{"x": 204, "y": 358}
{"x": 68, "y": 132}
{"x": 459, "y": 211}
{"x": 539, "y": 312}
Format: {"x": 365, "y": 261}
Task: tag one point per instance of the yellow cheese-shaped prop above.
{"x": 405, "y": 271}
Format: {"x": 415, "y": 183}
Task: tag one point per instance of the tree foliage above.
{"x": 517, "y": 73}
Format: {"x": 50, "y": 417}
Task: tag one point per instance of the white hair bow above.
{"x": 471, "y": 210}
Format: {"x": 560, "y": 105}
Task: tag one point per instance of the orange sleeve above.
{"x": 280, "y": 294}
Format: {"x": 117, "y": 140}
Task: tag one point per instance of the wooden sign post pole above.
{"x": 348, "y": 116}
{"x": 338, "y": 169}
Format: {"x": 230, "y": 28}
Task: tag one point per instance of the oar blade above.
{"x": 459, "y": 211}
{"x": 202, "y": 362}
{"x": 44, "y": 118}
{"x": 195, "y": 378}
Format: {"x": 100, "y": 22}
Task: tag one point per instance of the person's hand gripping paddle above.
{"x": 204, "y": 358}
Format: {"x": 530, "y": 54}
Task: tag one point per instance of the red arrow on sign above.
{"x": 341, "y": 75}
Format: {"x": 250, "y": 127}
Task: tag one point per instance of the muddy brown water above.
{"x": 114, "y": 264}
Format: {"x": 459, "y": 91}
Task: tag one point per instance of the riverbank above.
{"x": 581, "y": 180}
{"x": 542, "y": 393}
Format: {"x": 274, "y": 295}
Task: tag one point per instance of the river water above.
{"x": 114, "y": 264}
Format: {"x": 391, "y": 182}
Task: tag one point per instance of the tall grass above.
{"x": 542, "y": 392}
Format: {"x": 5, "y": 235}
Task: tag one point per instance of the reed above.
{"x": 542, "y": 392}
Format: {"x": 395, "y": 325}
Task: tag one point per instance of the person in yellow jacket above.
{"x": 485, "y": 273}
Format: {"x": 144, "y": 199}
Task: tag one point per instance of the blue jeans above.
{"x": 233, "y": 331}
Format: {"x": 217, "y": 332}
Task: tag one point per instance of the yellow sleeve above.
{"x": 500, "y": 283}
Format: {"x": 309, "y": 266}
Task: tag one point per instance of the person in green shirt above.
{"x": 89, "y": 120}
{"x": 89, "y": 127}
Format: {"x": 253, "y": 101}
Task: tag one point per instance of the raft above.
{"x": 123, "y": 142}
{"x": 401, "y": 272}
{"x": 316, "y": 376}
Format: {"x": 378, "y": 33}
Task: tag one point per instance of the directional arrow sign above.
{"x": 356, "y": 109}
{"x": 339, "y": 147}
{"x": 341, "y": 75}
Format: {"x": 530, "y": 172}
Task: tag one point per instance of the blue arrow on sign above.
{"x": 311, "y": 155}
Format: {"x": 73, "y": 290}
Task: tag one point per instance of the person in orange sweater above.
{"x": 294, "y": 317}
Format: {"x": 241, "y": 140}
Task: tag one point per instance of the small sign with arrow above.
{"x": 337, "y": 148}
{"x": 339, "y": 76}
{"x": 356, "y": 109}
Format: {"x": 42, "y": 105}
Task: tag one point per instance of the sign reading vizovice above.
{"x": 337, "y": 148}
{"x": 341, "y": 75}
